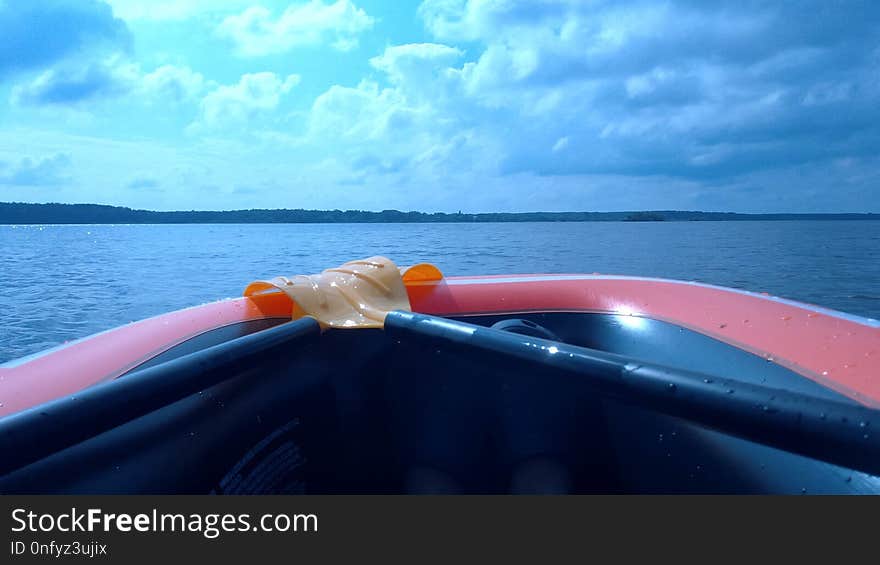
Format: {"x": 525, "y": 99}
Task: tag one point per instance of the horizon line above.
{"x": 459, "y": 213}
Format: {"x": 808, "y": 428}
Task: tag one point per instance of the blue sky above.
{"x": 442, "y": 105}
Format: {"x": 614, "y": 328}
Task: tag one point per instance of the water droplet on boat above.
{"x": 1, "y": 405}
{"x": 848, "y": 479}
{"x": 722, "y": 326}
{"x": 671, "y": 387}
{"x": 745, "y": 321}
{"x": 730, "y": 391}
{"x": 192, "y": 434}
{"x": 812, "y": 315}
{"x": 707, "y": 381}
{"x": 822, "y": 415}
{"x": 824, "y": 373}
{"x": 866, "y": 436}
{"x": 863, "y": 424}
{"x": 803, "y": 491}
{"x": 660, "y": 437}
{"x": 769, "y": 358}
{"x": 786, "y": 318}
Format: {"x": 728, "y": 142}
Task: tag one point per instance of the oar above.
{"x": 35, "y": 433}
{"x": 836, "y": 432}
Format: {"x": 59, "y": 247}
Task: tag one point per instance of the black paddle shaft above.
{"x": 836, "y": 432}
{"x": 35, "y": 433}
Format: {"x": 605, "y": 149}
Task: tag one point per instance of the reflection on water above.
{"x": 64, "y": 282}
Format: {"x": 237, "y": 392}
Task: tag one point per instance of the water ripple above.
{"x": 60, "y": 283}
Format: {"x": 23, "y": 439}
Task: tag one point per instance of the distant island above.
{"x": 24, "y": 213}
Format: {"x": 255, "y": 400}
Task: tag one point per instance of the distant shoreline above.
{"x": 17, "y": 213}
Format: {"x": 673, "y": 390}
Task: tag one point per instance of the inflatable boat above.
{"x": 371, "y": 378}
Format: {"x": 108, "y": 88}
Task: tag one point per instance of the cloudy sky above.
{"x": 442, "y": 105}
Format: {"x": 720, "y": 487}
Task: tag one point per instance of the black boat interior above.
{"x": 367, "y": 412}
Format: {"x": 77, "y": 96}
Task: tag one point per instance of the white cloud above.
{"x": 255, "y": 93}
{"x": 398, "y": 115}
{"x": 47, "y": 171}
{"x": 361, "y": 116}
{"x": 420, "y": 127}
{"x": 693, "y": 90}
{"x": 78, "y": 87}
{"x": 534, "y": 104}
{"x": 482, "y": 20}
{"x": 35, "y": 35}
{"x": 398, "y": 61}
{"x": 121, "y": 172}
{"x": 422, "y": 72}
{"x": 172, "y": 83}
{"x": 71, "y": 85}
{"x": 256, "y": 32}
{"x": 412, "y": 108}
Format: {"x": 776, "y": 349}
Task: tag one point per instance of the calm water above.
{"x": 64, "y": 282}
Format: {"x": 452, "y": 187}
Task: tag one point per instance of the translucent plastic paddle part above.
{"x": 357, "y": 294}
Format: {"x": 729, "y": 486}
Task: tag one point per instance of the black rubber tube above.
{"x": 35, "y": 433}
{"x": 835, "y": 432}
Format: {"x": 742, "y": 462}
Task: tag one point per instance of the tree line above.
{"x": 26, "y": 213}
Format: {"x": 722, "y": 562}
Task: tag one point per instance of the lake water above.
{"x": 64, "y": 282}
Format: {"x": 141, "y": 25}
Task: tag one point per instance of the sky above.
{"x": 442, "y": 105}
